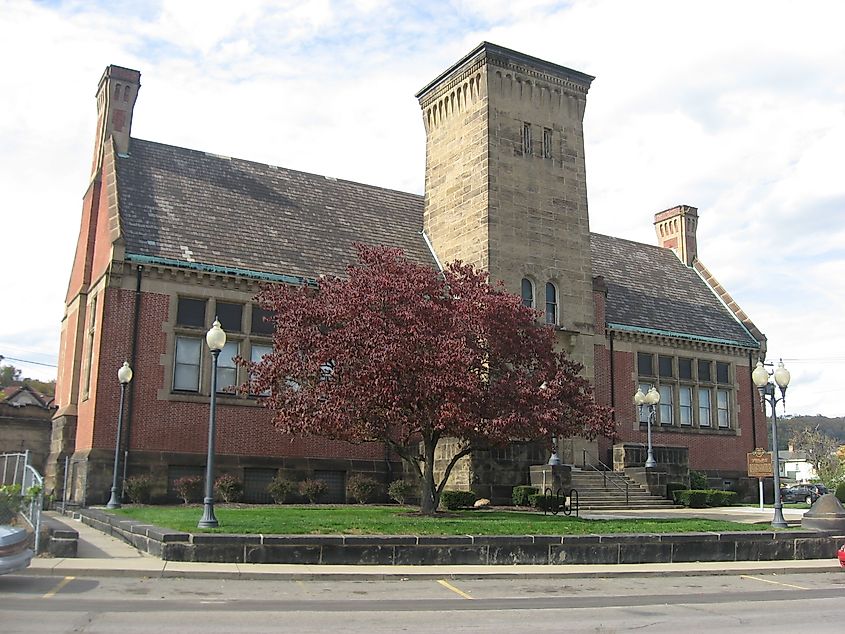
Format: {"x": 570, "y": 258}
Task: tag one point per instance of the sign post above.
{"x": 760, "y": 466}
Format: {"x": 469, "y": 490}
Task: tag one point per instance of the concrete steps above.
{"x": 596, "y": 491}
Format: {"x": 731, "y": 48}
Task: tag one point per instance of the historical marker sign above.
{"x": 760, "y": 464}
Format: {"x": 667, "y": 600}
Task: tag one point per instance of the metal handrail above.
{"x": 25, "y": 474}
{"x": 604, "y": 473}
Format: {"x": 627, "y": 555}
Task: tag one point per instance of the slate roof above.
{"x": 649, "y": 288}
{"x": 189, "y": 206}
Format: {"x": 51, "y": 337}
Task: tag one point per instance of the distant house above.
{"x": 25, "y": 423}
{"x": 794, "y": 466}
{"x": 172, "y": 237}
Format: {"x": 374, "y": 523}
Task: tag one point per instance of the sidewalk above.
{"x": 101, "y": 555}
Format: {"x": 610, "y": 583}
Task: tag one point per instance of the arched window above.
{"x": 551, "y": 303}
{"x": 527, "y": 292}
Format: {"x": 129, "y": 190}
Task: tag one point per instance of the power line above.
{"x": 49, "y": 365}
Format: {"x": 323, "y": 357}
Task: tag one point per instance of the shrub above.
{"x": 189, "y": 488}
{"x": 840, "y": 492}
{"x": 521, "y": 494}
{"x": 671, "y": 488}
{"x": 313, "y": 489}
{"x": 693, "y": 498}
{"x": 453, "y": 500}
{"x": 10, "y": 502}
{"x": 139, "y": 489}
{"x": 400, "y": 490}
{"x": 280, "y": 488}
{"x": 728, "y": 498}
{"x": 546, "y": 502}
{"x": 229, "y": 488}
{"x": 697, "y": 481}
{"x": 362, "y": 488}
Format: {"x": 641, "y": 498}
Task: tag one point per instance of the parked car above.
{"x": 841, "y": 555}
{"x": 801, "y": 493}
{"x": 15, "y": 553}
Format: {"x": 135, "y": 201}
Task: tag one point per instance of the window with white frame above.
{"x": 257, "y": 353}
{"x": 227, "y": 369}
{"x": 186, "y": 371}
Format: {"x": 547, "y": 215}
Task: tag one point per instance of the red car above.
{"x": 841, "y": 554}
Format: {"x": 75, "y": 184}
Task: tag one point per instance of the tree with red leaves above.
{"x": 400, "y": 353}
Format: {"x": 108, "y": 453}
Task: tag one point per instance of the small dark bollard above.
{"x": 561, "y": 502}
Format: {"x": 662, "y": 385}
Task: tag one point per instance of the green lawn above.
{"x": 393, "y": 520}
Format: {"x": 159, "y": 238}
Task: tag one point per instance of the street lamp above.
{"x": 124, "y": 375}
{"x": 216, "y": 339}
{"x": 760, "y": 376}
{"x": 650, "y": 399}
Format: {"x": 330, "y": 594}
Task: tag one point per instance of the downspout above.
{"x": 612, "y": 378}
{"x": 133, "y": 354}
{"x": 753, "y": 404}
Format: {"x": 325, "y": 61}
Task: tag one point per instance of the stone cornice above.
{"x": 671, "y": 340}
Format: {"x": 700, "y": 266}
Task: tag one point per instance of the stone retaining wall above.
{"x": 412, "y": 550}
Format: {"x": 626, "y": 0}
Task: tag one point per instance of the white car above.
{"x": 15, "y": 553}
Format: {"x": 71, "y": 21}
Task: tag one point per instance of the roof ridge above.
{"x": 275, "y": 167}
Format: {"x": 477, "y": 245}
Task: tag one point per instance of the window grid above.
{"x": 693, "y": 392}
{"x": 192, "y": 360}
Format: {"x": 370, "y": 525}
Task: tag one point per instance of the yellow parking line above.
{"x": 777, "y": 583}
{"x": 448, "y": 585}
{"x": 58, "y": 587}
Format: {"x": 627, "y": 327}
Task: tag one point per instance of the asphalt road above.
{"x": 807, "y": 603}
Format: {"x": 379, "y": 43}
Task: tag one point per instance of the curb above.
{"x": 294, "y": 572}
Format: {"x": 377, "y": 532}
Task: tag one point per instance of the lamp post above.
{"x": 650, "y": 399}
{"x": 124, "y": 375}
{"x": 760, "y": 376}
{"x": 216, "y": 339}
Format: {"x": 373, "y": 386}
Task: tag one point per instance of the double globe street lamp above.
{"x": 649, "y": 399}
{"x": 216, "y": 340}
{"x": 760, "y": 376}
{"x": 124, "y": 375}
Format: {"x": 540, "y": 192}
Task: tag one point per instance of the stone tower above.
{"x": 505, "y": 182}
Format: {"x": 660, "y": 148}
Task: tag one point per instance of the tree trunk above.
{"x": 429, "y": 495}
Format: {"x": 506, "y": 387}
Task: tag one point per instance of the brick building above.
{"x": 505, "y": 189}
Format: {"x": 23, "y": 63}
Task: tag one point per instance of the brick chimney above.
{"x": 675, "y": 230}
{"x": 116, "y": 94}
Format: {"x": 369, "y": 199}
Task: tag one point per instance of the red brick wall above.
{"x": 178, "y": 426}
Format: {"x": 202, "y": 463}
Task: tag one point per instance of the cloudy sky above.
{"x": 736, "y": 107}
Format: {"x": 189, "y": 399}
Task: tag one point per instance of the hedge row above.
{"x": 701, "y": 498}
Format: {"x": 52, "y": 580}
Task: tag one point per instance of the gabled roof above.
{"x": 21, "y": 395}
{"x": 185, "y": 205}
{"x": 650, "y": 290}
{"x": 191, "y": 208}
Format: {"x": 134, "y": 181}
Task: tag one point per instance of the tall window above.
{"x": 186, "y": 372}
{"x": 723, "y": 412}
{"x": 257, "y": 353}
{"x": 704, "y": 400}
{"x": 685, "y": 405}
{"x": 527, "y": 292}
{"x": 526, "y": 139}
{"x": 551, "y": 303}
{"x": 227, "y": 370}
{"x": 547, "y": 143}
{"x": 667, "y": 404}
